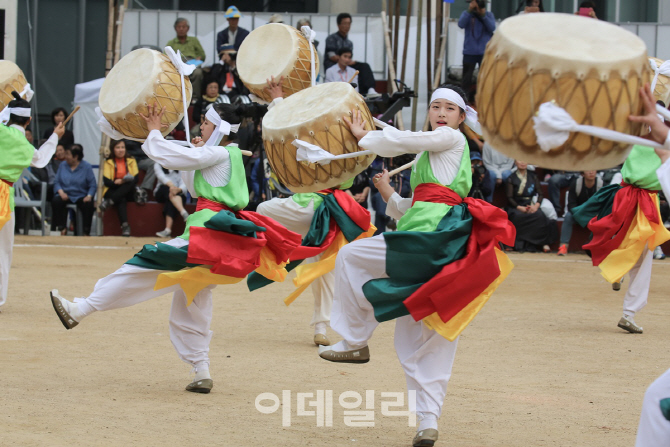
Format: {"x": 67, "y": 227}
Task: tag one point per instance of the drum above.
{"x": 315, "y": 115}
{"x": 662, "y": 88}
{"x": 276, "y": 50}
{"x": 11, "y": 78}
{"x": 140, "y": 78}
{"x": 592, "y": 69}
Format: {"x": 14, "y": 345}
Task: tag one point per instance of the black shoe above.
{"x": 141, "y": 196}
{"x": 125, "y": 229}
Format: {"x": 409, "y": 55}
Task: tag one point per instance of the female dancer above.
{"x": 436, "y": 272}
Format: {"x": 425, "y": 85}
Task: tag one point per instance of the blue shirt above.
{"x": 78, "y": 183}
{"x": 478, "y": 31}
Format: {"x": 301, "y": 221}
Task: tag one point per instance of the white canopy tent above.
{"x": 85, "y": 129}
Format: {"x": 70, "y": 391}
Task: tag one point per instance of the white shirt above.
{"x": 336, "y": 74}
{"x": 663, "y": 173}
{"x": 444, "y": 145}
{"x": 231, "y": 36}
{"x": 43, "y": 155}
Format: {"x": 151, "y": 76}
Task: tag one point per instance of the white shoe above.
{"x": 628, "y": 324}
{"x": 67, "y": 312}
{"x": 658, "y": 253}
{"x": 164, "y": 233}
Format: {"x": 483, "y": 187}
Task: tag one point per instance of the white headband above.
{"x": 471, "y": 119}
{"x": 18, "y": 111}
{"x": 222, "y": 127}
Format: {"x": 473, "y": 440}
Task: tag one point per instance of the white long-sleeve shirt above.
{"x": 45, "y": 152}
{"x": 663, "y": 173}
{"x": 444, "y": 145}
{"x": 172, "y": 176}
{"x": 213, "y": 162}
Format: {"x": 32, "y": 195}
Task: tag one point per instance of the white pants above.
{"x": 6, "y": 246}
{"x": 654, "y": 428}
{"x": 189, "y": 326}
{"x": 638, "y": 289}
{"x": 426, "y": 356}
{"x": 297, "y": 218}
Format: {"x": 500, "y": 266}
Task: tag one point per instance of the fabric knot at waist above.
{"x": 206, "y": 204}
{"x": 432, "y": 192}
{"x": 7, "y": 181}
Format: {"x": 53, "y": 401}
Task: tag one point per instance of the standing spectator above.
{"x": 58, "y": 115}
{"x": 75, "y": 183}
{"x": 342, "y": 71}
{"x": 120, "y": 174}
{"x": 479, "y": 25}
{"x": 233, "y": 34}
{"x": 581, "y": 189}
{"x": 191, "y": 50}
{"x": 524, "y": 195}
{"x": 170, "y": 190}
{"x": 339, "y": 40}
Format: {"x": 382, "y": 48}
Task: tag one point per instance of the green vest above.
{"x": 640, "y": 168}
{"x": 16, "y": 154}
{"x": 234, "y": 195}
{"x": 304, "y": 198}
{"x": 425, "y": 216}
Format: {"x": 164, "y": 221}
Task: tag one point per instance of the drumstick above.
{"x": 352, "y": 78}
{"x": 76, "y": 109}
{"x": 402, "y": 168}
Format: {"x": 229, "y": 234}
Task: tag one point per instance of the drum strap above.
{"x": 310, "y": 35}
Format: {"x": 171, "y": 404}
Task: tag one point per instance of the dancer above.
{"x": 436, "y": 272}
{"x": 626, "y": 224}
{"x": 17, "y": 154}
{"x": 221, "y": 244}
{"x": 309, "y": 214}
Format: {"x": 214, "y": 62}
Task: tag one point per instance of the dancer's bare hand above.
{"x": 153, "y": 118}
{"x": 659, "y": 131}
{"x": 356, "y": 124}
{"x": 274, "y": 87}
{"x": 59, "y": 130}
{"x": 197, "y": 142}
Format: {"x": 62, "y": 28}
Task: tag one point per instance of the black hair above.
{"x": 76, "y": 150}
{"x": 343, "y": 50}
{"x": 55, "y": 112}
{"x": 18, "y": 102}
{"x": 230, "y": 113}
{"x": 588, "y": 4}
{"x": 343, "y": 15}
{"x": 112, "y": 145}
{"x": 481, "y": 4}
{"x": 530, "y": 3}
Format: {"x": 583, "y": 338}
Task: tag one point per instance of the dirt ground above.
{"x": 542, "y": 365}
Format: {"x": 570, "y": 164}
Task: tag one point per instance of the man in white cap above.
{"x": 233, "y": 34}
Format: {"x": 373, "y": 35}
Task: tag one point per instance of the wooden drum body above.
{"x": 276, "y": 50}
{"x": 11, "y": 78}
{"x": 143, "y": 77}
{"x": 315, "y": 115}
{"x": 592, "y": 69}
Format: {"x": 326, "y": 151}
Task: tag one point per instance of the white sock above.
{"x": 628, "y": 316}
{"x": 184, "y": 215}
{"x": 81, "y": 309}
{"x": 320, "y": 328}
{"x": 342, "y": 346}
{"x": 426, "y": 421}
{"x": 202, "y": 373}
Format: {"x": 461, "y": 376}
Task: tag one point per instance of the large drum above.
{"x": 593, "y": 69}
{"x": 662, "y": 88}
{"x": 140, "y": 78}
{"x": 276, "y": 50}
{"x": 11, "y": 78}
{"x": 315, "y": 115}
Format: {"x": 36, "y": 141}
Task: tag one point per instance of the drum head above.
{"x": 129, "y": 81}
{"x": 11, "y": 79}
{"x": 270, "y": 50}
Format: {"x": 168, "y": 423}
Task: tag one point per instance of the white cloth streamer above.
{"x": 18, "y": 111}
{"x": 553, "y": 126}
{"x": 310, "y": 35}
{"x": 664, "y": 70}
{"x": 471, "y": 116}
{"x": 184, "y": 69}
{"x": 314, "y": 154}
{"x": 222, "y": 128}
{"x": 109, "y": 130}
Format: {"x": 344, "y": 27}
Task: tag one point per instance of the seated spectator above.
{"x": 581, "y": 189}
{"x": 342, "y": 71}
{"x": 120, "y": 175}
{"x": 306, "y": 22}
{"x": 524, "y": 195}
{"x": 481, "y": 184}
{"x": 48, "y": 173}
{"x": 499, "y": 166}
{"x": 201, "y": 106}
{"x": 225, "y": 73}
{"x": 170, "y": 190}
{"x": 75, "y": 183}
{"x": 559, "y": 180}
{"x": 340, "y": 40}
{"x": 589, "y": 7}
{"x": 360, "y": 188}
{"x": 58, "y": 115}
{"x": 191, "y": 50}
{"x": 144, "y": 163}
{"x": 531, "y": 6}
{"x": 233, "y": 34}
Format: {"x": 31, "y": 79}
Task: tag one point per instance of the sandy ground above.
{"x": 542, "y": 365}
